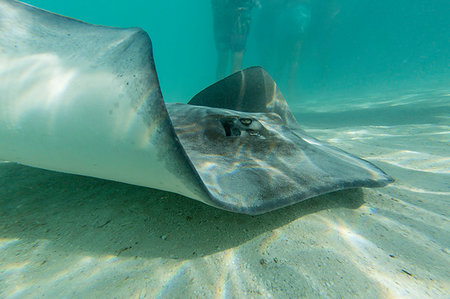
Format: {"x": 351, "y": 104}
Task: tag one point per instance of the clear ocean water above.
{"x": 368, "y": 46}
{"x": 373, "y": 79}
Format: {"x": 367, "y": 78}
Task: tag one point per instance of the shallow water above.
{"x": 66, "y": 235}
{"x": 366, "y": 48}
{"x": 63, "y": 235}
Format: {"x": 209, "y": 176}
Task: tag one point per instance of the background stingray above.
{"x": 85, "y": 99}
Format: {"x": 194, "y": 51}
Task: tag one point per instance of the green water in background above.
{"x": 369, "y": 46}
{"x": 375, "y": 83}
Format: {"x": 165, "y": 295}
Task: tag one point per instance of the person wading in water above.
{"x": 232, "y": 20}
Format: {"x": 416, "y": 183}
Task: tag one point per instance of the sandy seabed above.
{"x": 67, "y": 236}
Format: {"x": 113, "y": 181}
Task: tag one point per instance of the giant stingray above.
{"x": 85, "y": 99}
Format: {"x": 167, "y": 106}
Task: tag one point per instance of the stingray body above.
{"x": 85, "y": 99}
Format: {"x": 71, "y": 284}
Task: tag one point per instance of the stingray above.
{"x": 85, "y": 99}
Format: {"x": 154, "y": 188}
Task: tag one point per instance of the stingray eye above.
{"x": 236, "y": 126}
{"x": 230, "y": 127}
{"x": 246, "y": 121}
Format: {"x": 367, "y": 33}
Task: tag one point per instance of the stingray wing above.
{"x": 33, "y": 36}
{"x": 85, "y": 99}
{"x": 250, "y": 90}
{"x": 270, "y": 163}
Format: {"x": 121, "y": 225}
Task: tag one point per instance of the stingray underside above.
{"x": 85, "y": 99}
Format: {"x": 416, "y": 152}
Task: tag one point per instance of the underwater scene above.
{"x": 225, "y": 149}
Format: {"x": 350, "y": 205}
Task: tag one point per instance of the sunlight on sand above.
{"x": 368, "y": 257}
{"x": 416, "y": 161}
{"x": 391, "y": 244}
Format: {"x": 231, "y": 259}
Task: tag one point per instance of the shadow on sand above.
{"x": 98, "y": 217}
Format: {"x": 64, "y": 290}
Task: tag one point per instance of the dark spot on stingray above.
{"x": 404, "y": 271}
{"x": 253, "y": 133}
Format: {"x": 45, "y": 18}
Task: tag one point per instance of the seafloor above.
{"x": 71, "y": 236}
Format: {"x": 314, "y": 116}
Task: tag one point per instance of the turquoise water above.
{"x": 365, "y": 47}
{"x": 373, "y": 80}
